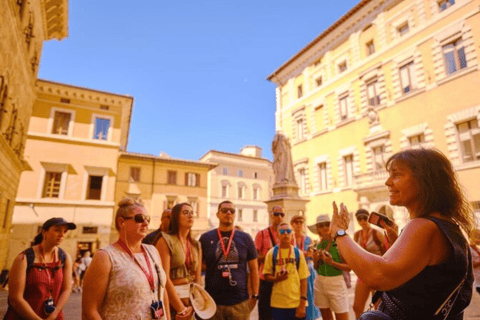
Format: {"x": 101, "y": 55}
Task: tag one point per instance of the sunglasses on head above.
{"x": 285, "y": 231}
{"x": 281, "y": 214}
{"x": 227, "y": 210}
{"x": 324, "y": 224}
{"x": 360, "y": 218}
{"x": 139, "y": 218}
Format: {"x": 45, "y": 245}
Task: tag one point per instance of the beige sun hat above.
{"x": 321, "y": 218}
{"x": 202, "y": 302}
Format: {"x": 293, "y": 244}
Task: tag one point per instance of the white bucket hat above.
{"x": 321, "y": 218}
{"x": 202, "y": 302}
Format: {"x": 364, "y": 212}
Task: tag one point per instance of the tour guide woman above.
{"x": 181, "y": 256}
{"x": 429, "y": 262}
{"x": 41, "y": 276}
{"x": 125, "y": 280}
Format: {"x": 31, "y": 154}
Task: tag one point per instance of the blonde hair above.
{"x": 125, "y": 206}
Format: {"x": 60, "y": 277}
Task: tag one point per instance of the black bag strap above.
{"x": 30, "y": 255}
{"x": 271, "y": 237}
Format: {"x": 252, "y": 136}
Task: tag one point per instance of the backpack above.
{"x": 275, "y": 254}
{"x": 30, "y": 254}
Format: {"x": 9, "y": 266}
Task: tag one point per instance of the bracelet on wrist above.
{"x": 184, "y": 311}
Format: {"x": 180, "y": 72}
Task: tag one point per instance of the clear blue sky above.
{"x": 196, "y": 69}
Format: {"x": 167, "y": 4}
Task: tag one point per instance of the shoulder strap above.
{"x": 356, "y": 235}
{"x": 30, "y": 254}
{"x": 297, "y": 257}
{"x": 274, "y": 257}
{"x": 63, "y": 256}
{"x": 271, "y": 236}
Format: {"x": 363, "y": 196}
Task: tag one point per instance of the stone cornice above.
{"x": 55, "y": 19}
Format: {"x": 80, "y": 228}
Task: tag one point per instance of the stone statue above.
{"x": 282, "y": 160}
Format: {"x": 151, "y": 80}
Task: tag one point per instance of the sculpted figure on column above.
{"x": 282, "y": 159}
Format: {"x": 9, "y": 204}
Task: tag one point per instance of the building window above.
{"x": 370, "y": 46}
{"x": 240, "y": 215}
{"x": 94, "y": 191}
{"x": 348, "y": 169}
{"x": 300, "y": 131}
{"x": 135, "y": 173}
{"x": 171, "y": 177}
{"x": 416, "y": 141}
{"x": 255, "y": 215}
{"x": 342, "y": 67}
{"x": 61, "y": 122}
{"x": 224, "y": 190}
{"x": 344, "y": 107}
{"x": 318, "y": 81}
{"x": 101, "y": 128}
{"x": 255, "y": 175}
{"x": 241, "y": 191}
{"x": 194, "y": 204}
{"x": 469, "y": 136}
{"x": 303, "y": 181}
{"x": 454, "y": 54}
{"x": 51, "y": 186}
{"x": 445, "y": 4}
{"x": 373, "y": 93}
{"x": 171, "y": 201}
{"x": 403, "y": 29}
{"x": 192, "y": 179}
{"x": 225, "y": 171}
{"x": 322, "y": 169}
{"x": 407, "y": 78}
{"x": 256, "y": 193}
{"x": 5, "y": 219}
{"x": 90, "y": 230}
{"x": 379, "y": 158}
{"x": 299, "y": 91}
{"x": 240, "y": 173}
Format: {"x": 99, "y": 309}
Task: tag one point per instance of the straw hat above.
{"x": 297, "y": 217}
{"x": 321, "y": 218}
{"x": 202, "y": 302}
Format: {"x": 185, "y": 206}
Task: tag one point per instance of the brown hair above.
{"x": 437, "y": 182}
{"x": 125, "y": 206}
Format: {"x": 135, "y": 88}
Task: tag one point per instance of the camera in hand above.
{"x": 48, "y": 306}
{"x": 376, "y": 217}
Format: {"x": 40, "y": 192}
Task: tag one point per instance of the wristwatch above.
{"x": 255, "y": 296}
{"x": 340, "y": 233}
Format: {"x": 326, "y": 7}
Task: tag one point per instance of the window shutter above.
{"x": 198, "y": 180}
{"x": 186, "y": 178}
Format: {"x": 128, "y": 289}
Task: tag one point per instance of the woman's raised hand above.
{"x": 340, "y": 220}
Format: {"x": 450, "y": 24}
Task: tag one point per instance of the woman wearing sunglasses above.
{"x": 305, "y": 243}
{"x": 330, "y": 290}
{"x": 41, "y": 276}
{"x": 181, "y": 256}
{"x": 125, "y": 280}
{"x": 372, "y": 241}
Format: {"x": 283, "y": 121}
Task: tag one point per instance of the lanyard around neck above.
{"x": 186, "y": 252}
{"x": 229, "y": 246}
{"x": 280, "y": 255}
{"x": 301, "y": 245}
{"x": 149, "y": 274}
{"x": 40, "y": 248}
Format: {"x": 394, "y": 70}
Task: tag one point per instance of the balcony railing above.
{"x": 371, "y": 179}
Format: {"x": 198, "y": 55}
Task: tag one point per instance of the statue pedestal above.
{"x": 286, "y": 195}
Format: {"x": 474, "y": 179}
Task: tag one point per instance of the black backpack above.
{"x": 30, "y": 254}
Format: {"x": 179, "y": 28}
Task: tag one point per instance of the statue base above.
{"x": 286, "y": 195}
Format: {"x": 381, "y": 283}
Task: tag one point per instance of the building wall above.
{"x": 75, "y": 154}
{"x": 154, "y": 191}
{"x": 234, "y": 171}
{"x": 23, "y": 31}
{"x": 437, "y": 102}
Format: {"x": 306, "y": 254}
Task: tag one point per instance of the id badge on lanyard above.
{"x": 156, "y": 309}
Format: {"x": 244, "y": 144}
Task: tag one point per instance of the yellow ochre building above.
{"x": 74, "y": 141}
{"x": 24, "y": 26}
{"x": 388, "y": 75}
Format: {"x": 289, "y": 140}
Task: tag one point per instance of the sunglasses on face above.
{"x": 285, "y": 231}
{"x": 227, "y": 210}
{"x": 281, "y": 214}
{"x": 139, "y": 218}
{"x": 323, "y": 225}
{"x": 298, "y": 221}
{"x": 188, "y": 213}
{"x": 361, "y": 219}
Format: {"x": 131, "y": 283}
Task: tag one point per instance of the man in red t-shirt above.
{"x": 264, "y": 241}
